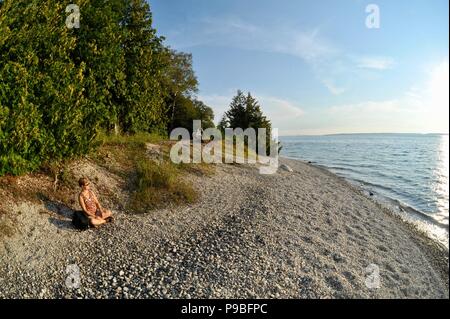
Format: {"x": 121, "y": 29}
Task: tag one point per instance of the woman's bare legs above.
{"x": 106, "y": 213}
{"x": 95, "y": 222}
{"x": 100, "y": 220}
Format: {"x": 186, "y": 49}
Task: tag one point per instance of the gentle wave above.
{"x": 408, "y": 171}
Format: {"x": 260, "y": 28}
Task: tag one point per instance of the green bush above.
{"x": 159, "y": 184}
{"x": 59, "y": 87}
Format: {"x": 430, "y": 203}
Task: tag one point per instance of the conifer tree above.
{"x": 236, "y": 114}
{"x": 245, "y": 112}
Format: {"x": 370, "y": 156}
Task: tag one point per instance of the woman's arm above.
{"x": 97, "y": 203}
{"x": 83, "y": 206}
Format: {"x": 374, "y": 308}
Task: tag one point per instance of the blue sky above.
{"x": 314, "y": 66}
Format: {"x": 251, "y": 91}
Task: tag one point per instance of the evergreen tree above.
{"x": 253, "y": 115}
{"x": 223, "y": 124}
{"x": 236, "y": 115}
{"x": 245, "y": 112}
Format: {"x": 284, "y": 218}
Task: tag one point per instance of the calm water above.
{"x": 410, "y": 172}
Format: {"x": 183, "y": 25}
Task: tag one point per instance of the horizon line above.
{"x": 366, "y": 133}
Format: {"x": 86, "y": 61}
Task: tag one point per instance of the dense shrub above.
{"x": 59, "y": 86}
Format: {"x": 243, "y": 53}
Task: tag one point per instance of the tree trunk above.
{"x": 173, "y": 111}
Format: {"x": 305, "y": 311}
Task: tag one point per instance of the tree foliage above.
{"x": 188, "y": 110}
{"x": 59, "y": 87}
{"x": 245, "y": 112}
{"x": 180, "y": 83}
{"x": 42, "y": 101}
{"x": 143, "y": 108}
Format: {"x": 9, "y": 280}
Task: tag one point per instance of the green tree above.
{"x": 223, "y": 124}
{"x": 60, "y": 86}
{"x": 143, "y": 108}
{"x": 245, "y": 112}
{"x": 204, "y": 113}
{"x": 99, "y": 47}
{"x": 236, "y": 115}
{"x": 189, "y": 110}
{"x": 179, "y": 81}
{"x": 42, "y": 106}
{"x": 253, "y": 115}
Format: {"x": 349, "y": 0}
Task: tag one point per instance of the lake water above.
{"x": 410, "y": 172}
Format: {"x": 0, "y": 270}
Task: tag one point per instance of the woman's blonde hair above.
{"x": 83, "y": 182}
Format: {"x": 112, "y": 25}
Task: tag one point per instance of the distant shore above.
{"x": 300, "y": 234}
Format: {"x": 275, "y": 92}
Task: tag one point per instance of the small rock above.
{"x": 286, "y": 168}
{"x": 337, "y": 258}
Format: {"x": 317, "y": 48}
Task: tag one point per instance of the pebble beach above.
{"x": 304, "y": 233}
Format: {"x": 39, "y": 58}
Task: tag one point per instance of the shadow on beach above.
{"x": 62, "y": 214}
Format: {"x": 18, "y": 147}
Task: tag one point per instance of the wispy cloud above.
{"x": 279, "y": 109}
{"x": 329, "y": 63}
{"x": 423, "y": 108}
{"x": 332, "y": 87}
{"x": 377, "y": 63}
{"x": 307, "y": 45}
{"x": 229, "y": 25}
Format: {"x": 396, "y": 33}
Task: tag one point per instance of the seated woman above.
{"x": 91, "y": 207}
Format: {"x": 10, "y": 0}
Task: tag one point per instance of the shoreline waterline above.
{"x": 409, "y": 173}
{"x": 420, "y": 220}
{"x": 305, "y": 233}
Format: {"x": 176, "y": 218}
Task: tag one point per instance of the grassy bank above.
{"x": 154, "y": 181}
{"x": 148, "y": 179}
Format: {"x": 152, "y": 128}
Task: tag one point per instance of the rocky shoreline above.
{"x": 300, "y": 234}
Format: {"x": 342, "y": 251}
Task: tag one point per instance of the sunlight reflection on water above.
{"x": 409, "y": 172}
{"x": 442, "y": 180}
